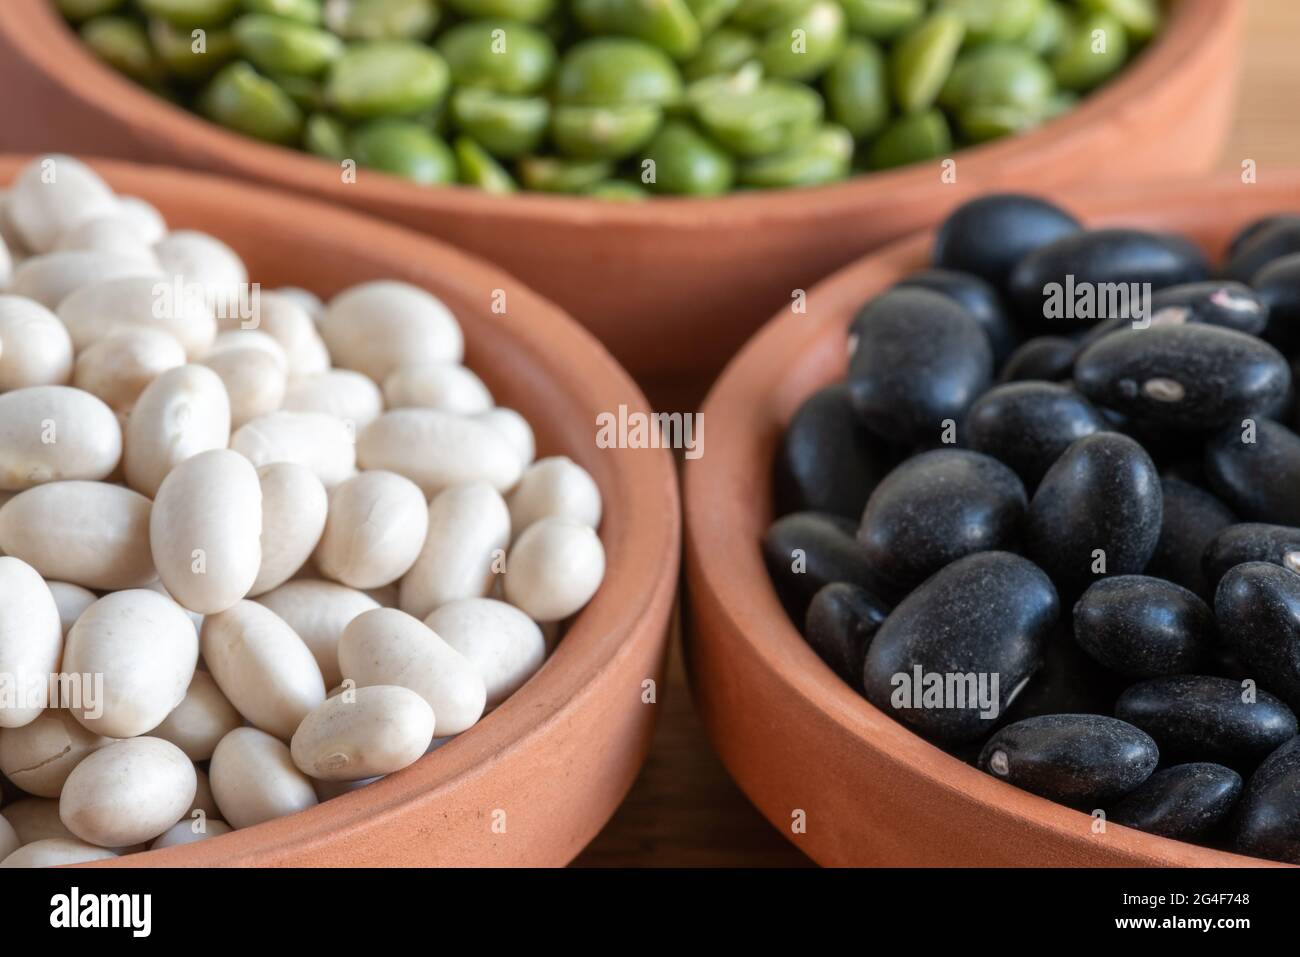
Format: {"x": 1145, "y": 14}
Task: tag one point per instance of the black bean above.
{"x": 979, "y": 620}
{"x": 1029, "y": 425}
{"x": 1250, "y": 542}
{"x": 1258, "y": 610}
{"x": 1278, "y": 287}
{"x": 806, "y": 551}
{"x": 920, "y": 360}
{"x": 1185, "y": 802}
{"x": 989, "y": 235}
{"x": 828, "y": 460}
{"x": 1097, "y": 512}
{"x": 1259, "y": 247}
{"x": 840, "y": 624}
{"x": 938, "y": 507}
{"x": 1109, "y": 265}
{"x": 1067, "y": 682}
{"x": 1143, "y": 627}
{"x": 978, "y": 298}
{"x": 1255, "y": 227}
{"x": 1215, "y": 302}
{"x": 1192, "y": 518}
{"x": 1260, "y": 479}
{"x": 1204, "y": 718}
{"x": 1196, "y": 377}
{"x": 1268, "y": 820}
{"x": 1084, "y": 760}
{"x": 1044, "y": 359}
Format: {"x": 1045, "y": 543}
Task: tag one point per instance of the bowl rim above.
{"x": 773, "y": 370}
{"x": 642, "y": 544}
{"x": 36, "y": 28}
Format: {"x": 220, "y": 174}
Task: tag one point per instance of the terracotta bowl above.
{"x": 792, "y": 734}
{"x": 559, "y": 754}
{"x": 672, "y": 287}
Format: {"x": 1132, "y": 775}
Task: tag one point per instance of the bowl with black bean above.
{"x": 308, "y": 554}
{"x": 773, "y": 139}
{"x": 1015, "y": 575}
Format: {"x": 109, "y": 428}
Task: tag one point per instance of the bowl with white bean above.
{"x": 309, "y": 554}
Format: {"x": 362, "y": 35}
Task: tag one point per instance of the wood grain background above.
{"x": 684, "y": 810}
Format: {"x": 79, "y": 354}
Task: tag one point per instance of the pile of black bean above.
{"x": 1055, "y": 529}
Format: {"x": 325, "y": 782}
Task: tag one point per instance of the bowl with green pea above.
{"x": 671, "y": 171}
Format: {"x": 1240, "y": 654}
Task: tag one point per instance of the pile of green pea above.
{"x": 621, "y": 98}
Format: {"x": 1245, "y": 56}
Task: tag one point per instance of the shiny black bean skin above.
{"x": 1258, "y": 479}
{"x": 828, "y": 461}
{"x": 1257, "y": 606}
{"x": 1268, "y": 242}
{"x": 1278, "y": 287}
{"x": 938, "y": 507}
{"x": 1252, "y": 229}
{"x": 1268, "y": 817}
{"x": 1204, "y": 718}
{"x": 1103, "y": 494}
{"x": 1041, "y": 359}
{"x": 841, "y": 621}
{"x": 1195, "y": 378}
{"x": 1099, "y": 260}
{"x": 989, "y": 235}
{"x": 806, "y": 551}
{"x": 984, "y": 615}
{"x": 1250, "y": 542}
{"x": 1029, "y": 425}
{"x": 919, "y": 362}
{"x": 1192, "y": 518}
{"x": 978, "y": 298}
{"x": 1231, "y": 305}
{"x": 1184, "y": 802}
{"x": 1142, "y": 627}
{"x": 1083, "y": 760}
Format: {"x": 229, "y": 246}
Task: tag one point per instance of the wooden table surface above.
{"x": 684, "y": 810}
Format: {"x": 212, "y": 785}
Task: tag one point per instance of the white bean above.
{"x": 38, "y": 757}
{"x": 128, "y": 792}
{"x": 101, "y": 309}
{"x": 505, "y": 645}
{"x": 318, "y": 611}
{"x": 181, "y": 413}
{"x": 374, "y": 531}
{"x": 263, "y": 667}
{"x": 51, "y": 194}
{"x": 437, "y": 385}
{"x": 554, "y": 568}
{"x": 119, "y": 367}
{"x": 305, "y": 299}
{"x": 254, "y": 779}
{"x": 363, "y": 733}
{"x": 294, "y": 509}
{"x": 31, "y": 641}
{"x": 377, "y": 326}
{"x": 206, "y": 262}
{"x": 108, "y": 234}
{"x": 514, "y": 428}
{"x": 71, "y": 600}
{"x": 206, "y": 530}
{"x": 144, "y": 216}
{"x": 389, "y": 647}
{"x": 52, "y": 278}
{"x": 144, "y": 646}
{"x": 6, "y": 263}
{"x": 34, "y": 346}
{"x": 321, "y": 442}
{"x": 555, "y": 487}
{"x": 203, "y": 718}
{"x": 286, "y": 322}
{"x": 52, "y": 432}
{"x": 464, "y": 549}
{"x": 255, "y": 381}
{"x": 56, "y": 852}
{"x": 91, "y": 534}
{"x": 237, "y": 338}
{"x": 342, "y": 393}
{"x": 8, "y": 838}
{"x": 188, "y": 830}
{"x": 438, "y": 449}
{"x": 36, "y": 819}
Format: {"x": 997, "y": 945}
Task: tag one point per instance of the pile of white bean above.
{"x": 224, "y": 523}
